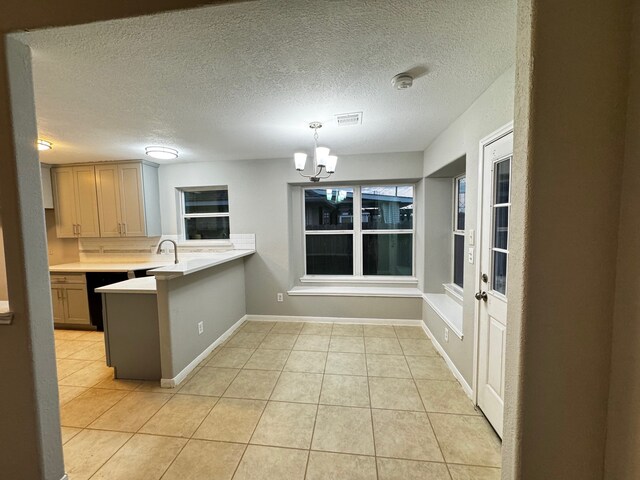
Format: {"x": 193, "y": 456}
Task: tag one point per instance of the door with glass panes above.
{"x": 492, "y": 297}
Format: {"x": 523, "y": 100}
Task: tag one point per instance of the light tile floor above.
{"x": 279, "y": 400}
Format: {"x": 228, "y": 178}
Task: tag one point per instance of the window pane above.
{"x": 499, "y": 280}
{"x": 387, "y": 208}
{"x": 206, "y": 201}
{"x": 206, "y": 228}
{"x": 458, "y": 260}
{"x": 329, "y": 208}
{"x": 329, "y": 254}
{"x": 501, "y": 227}
{"x": 387, "y": 254}
{"x": 461, "y": 192}
{"x": 502, "y": 172}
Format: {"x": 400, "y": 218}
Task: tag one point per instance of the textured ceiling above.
{"x": 242, "y": 81}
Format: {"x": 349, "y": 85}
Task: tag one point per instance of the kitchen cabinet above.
{"x": 128, "y": 199}
{"x": 70, "y": 301}
{"x": 75, "y": 201}
{"x": 47, "y": 189}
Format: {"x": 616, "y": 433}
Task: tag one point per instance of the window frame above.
{"x": 455, "y": 231}
{"x": 183, "y": 216}
{"x": 357, "y": 235}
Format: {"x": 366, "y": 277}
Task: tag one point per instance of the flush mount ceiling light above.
{"x": 44, "y": 145}
{"x": 322, "y": 161}
{"x": 161, "y": 153}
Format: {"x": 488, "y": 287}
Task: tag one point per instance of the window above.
{"x": 205, "y": 213}
{"x": 459, "y": 196}
{"x": 359, "y": 230}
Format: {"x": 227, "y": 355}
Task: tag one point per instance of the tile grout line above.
{"x": 431, "y": 424}
{"x": 373, "y": 430}
{"x": 262, "y": 413}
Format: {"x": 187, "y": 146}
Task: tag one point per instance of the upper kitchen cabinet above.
{"x": 75, "y": 201}
{"x": 128, "y": 199}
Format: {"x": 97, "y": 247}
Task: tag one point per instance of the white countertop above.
{"x": 185, "y": 267}
{"x": 193, "y": 265}
{"x": 134, "y": 285}
{"x": 81, "y": 267}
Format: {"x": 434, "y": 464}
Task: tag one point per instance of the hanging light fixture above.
{"x": 322, "y": 161}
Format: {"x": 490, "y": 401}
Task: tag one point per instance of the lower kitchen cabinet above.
{"x": 70, "y": 300}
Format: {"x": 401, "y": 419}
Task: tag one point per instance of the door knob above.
{"x": 481, "y": 296}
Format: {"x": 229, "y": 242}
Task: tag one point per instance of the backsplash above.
{"x": 144, "y": 249}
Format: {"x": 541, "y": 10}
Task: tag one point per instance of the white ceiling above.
{"x": 242, "y": 81}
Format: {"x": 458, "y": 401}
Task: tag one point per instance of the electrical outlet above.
{"x": 200, "y": 328}
{"x": 280, "y": 297}
{"x": 446, "y": 334}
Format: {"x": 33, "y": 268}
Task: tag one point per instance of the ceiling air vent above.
{"x": 348, "y": 119}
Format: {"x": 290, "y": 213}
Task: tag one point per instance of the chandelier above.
{"x": 322, "y": 161}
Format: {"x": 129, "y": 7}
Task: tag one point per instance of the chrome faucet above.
{"x": 175, "y": 248}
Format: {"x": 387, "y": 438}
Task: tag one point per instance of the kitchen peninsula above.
{"x": 163, "y": 325}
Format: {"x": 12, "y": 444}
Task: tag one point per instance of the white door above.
{"x": 492, "y": 297}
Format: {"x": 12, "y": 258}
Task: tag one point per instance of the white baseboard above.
{"x": 368, "y": 321}
{"x": 456, "y": 373}
{"x": 175, "y": 381}
{"x": 65, "y": 477}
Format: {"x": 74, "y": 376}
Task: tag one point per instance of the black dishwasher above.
{"x": 100, "y": 279}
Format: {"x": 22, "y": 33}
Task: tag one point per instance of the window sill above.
{"x": 350, "y": 291}
{"x": 454, "y": 291}
{"x": 448, "y": 310}
{"x": 355, "y": 281}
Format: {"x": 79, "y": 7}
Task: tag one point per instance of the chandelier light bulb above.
{"x": 300, "y": 159}
{"x": 321, "y": 156}
{"x": 332, "y": 160}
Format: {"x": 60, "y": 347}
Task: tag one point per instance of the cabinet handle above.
{"x": 125, "y": 228}
{"x": 74, "y": 229}
{"x": 120, "y": 228}
{"x": 79, "y": 229}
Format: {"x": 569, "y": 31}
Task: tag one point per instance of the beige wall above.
{"x": 623, "y": 427}
{"x": 492, "y": 110}
{"x": 570, "y": 122}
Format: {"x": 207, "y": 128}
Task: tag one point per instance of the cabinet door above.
{"x": 77, "y": 304}
{"x": 132, "y": 199}
{"x": 86, "y": 201}
{"x": 64, "y": 201}
{"x": 108, "y": 190}
{"x": 57, "y": 298}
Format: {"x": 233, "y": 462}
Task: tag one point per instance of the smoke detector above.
{"x": 402, "y": 81}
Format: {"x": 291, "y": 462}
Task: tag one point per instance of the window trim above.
{"x": 455, "y": 230}
{"x": 358, "y": 232}
{"x": 182, "y": 216}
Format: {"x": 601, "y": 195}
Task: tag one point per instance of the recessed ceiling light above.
{"x": 161, "y": 153}
{"x": 44, "y": 145}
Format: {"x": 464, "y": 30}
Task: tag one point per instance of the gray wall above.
{"x": 492, "y": 110}
{"x": 567, "y": 171}
{"x": 261, "y": 198}
{"x": 31, "y": 445}
{"x": 623, "y": 426}
{"x": 215, "y": 296}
